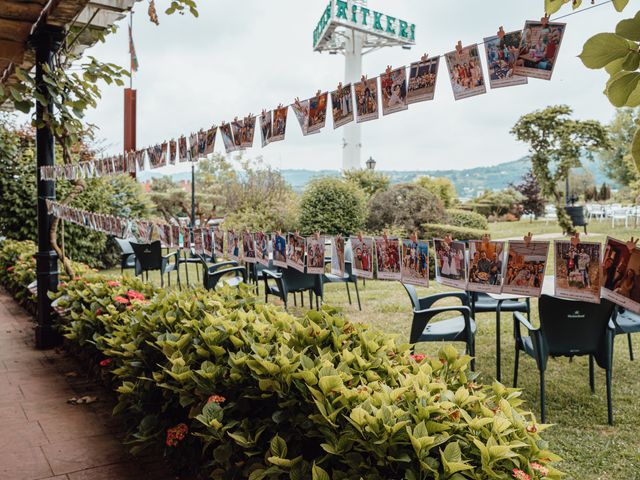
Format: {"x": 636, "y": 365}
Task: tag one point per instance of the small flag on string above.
{"x": 132, "y": 52}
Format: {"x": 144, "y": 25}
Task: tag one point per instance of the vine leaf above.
{"x": 629, "y": 28}
{"x": 602, "y": 49}
{"x": 620, "y": 4}
{"x": 621, "y": 86}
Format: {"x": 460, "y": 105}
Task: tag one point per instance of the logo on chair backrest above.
{"x": 576, "y": 314}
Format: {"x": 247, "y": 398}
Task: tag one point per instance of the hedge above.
{"x": 467, "y": 219}
{"x": 235, "y": 388}
{"x": 435, "y": 230}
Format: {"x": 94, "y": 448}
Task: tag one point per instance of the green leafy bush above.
{"x": 331, "y": 206}
{"x": 246, "y": 390}
{"x": 405, "y": 206}
{"x": 369, "y": 181}
{"x": 441, "y": 187}
{"x": 464, "y": 218}
{"x": 496, "y": 204}
{"x": 435, "y": 230}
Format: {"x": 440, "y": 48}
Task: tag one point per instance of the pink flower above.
{"x": 77, "y": 277}
{"x": 418, "y": 357}
{"x": 216, "y": 399}
{"x": 532, "y": 428}
{"x": 122, "y": 300}
{"x": 133, "y": 295}
{"x": 62, "y": 284}
{"x": 176, "y": 434}
{"x": 106, "y": 362}
{"x": 113, "y": 283}
{"x": 98, "y": 311}
{"x": 11, "y": 268}
{"x": 541, "y": 469}
{"x": 520, "y": 475}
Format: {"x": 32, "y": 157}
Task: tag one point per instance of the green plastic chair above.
{"x": 290, "y": 280}
{"x": 568, "y": 329}
{"x": 626, "y": 323}
{"x": 228, "y": 272}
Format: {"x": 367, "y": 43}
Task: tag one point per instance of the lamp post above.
{"x": 371, "y": 164}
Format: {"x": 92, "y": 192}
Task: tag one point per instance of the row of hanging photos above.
{"x": 511, "y": 57}
{"x": 582, "y": 270}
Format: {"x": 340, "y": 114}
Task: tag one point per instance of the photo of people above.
{"x": 198, "y": 244}
{"x": 247, "y": 132}
{"x": 342, "y": 106}
{"x": 173, "y": 152}
{"x": 362, "y": 248}
{"x": 186, "y": 237}
{"x": 486, "y": 266}
{"x": 295, "y": 251}
{"x": 207, "y": 241}
{"x": 366, "y": 100}
{"x": 248, "y": 248}
{"x": 164, "y": 231}
{"x": 182, "y": 149}
{"x": 415, "y": 262}
{"x": 176, "y": 235}
{"x": 202, "y": 143}
{"x": 317, "y": 112}
{"x": 279, "y": 250}
{"x": 227, "y": 138}
{"x": 577, "y": 270}
{"x": 279, "y": 125}
{"x": 210, "y": 141}
{"x": 337, "y": 255}
{"x": 315, "y": 255}
{"x": 388, "y": 258}
{"x": 465, "y": 72}
{"x": 450, "y": 263}
{"x": 301, "y": 110}
{"x": 393, "y": 87}
{"x": 193, "y": 147}
{"x": 620, "y": 274}
{"x": 502, "y": 54}
{"x": 233, "y": 246}
{"x": 218, "y": 241}
{"x": 525, "y": 268}
{"x": 237, "y": 127}
{"x": 539, "y": 49}
{"x": 265, "y": 128}
{"x": 422, "y": 80}
{"x": 262, "y": 248}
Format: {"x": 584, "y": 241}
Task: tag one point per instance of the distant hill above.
{"x": 469, "y": 182}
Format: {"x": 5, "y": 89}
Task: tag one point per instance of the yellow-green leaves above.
{"x": 621, "y": 89}
{"x": 635, "y": 149}
{"x": 602, "y": 49}
{"x": 620, "y": 4}
{"x": 452, "y": 459}
{"x": 552, "y": 6}
{"x": 629, "y": 28}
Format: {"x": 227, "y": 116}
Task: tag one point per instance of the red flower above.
{"x": 62, "y": 284}
{"x": 541, "y": 469}
{"x": 133, "y": 295}
{"x": 99, "y": 311}
{"x": 77, "y": 277}
{"x": 11, "y": 268}
{"x": 122, "y": 300}
{"x": 176, "y": 434}
{"x": 216, "y": 399}
{"x": 418, "y": 357}
{"x": 520, "y": 474}
{"x": 113, "y": 283}
{"x": 106, "y": 362}
{"x": 532, "y": 428}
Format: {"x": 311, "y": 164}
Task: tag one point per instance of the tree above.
{"x": 533, "y": 202}
{"x": 441, "y": 187}
{"x": 496, "y": 204}
{"x": 556, "y": 142}
{"x": 617, "y": 161}
{"x": 605, "y": 192}
{"x": 369, "y": 181}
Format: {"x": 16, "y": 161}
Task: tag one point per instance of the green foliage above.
{"x": 405, "y": 206}
{"x": 533, "y": 202}
{"x": 496, "y": 204}
{"x": 467, "y": 219}
{"x": 552, "y": 6}
{"x": 617, "y": 161}
{"x": 261, "y": 394}
{"x": 436, "y": 230}
{"x": 331, "y": 206}
{"x": 369, "y": 181}
{"x": 441, "y": 187}
{"x": 556, "y": 142}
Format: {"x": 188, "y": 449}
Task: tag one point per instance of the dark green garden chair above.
{"x": 347, "y": 278}
{"x": 149, "y": 257}
{"x": 289, "y": 280}
{"x": 229, "y": 273}
{"x": 626, "y": 323}
{"x": 127, "y": 257}
{"x": 567, "y": 328}
{"x": 461, "y": 328}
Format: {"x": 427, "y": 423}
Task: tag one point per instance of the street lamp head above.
{"x": 371, "y": 164}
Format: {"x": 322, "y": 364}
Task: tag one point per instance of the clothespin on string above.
{"x": 459, "y": 47}
{"x": 527, "y": 239}
{"x": 448, "y": 239}
{"x": 363, "y": 79}
{"x": 317, "y": 235}
{"x": 385, "y": 235}
{"x": 501, "y": 33}
{"x": 575, "y": 239}
{"x": 360, "y": 236}
{"x": 486, "y": 238}
{"x": 339, "y": 87}
{"x": 632, "y": 244}
{"x": 297, "y": 102}
{"x": 388, "y": 70}
{"x": 424, "y": 58}
{"x": 545, "y": 20}
{"x": 414, "y": 237}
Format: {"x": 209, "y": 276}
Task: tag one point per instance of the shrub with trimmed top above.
{"x": 466, "y": 219}
{"x": 434, "y": 230}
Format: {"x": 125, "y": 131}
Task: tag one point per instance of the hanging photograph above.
{"x": 317, "y": 112}
{"x": 620, "y": 269}
{"x": 173, "y": 152}
{"x": 186, "y": 237}
{"x": 315, "y": 255}
{"x": 207, "y": 241}
{"x": 465, "y": 72}
{"x": 248, "y": 131}
{"x": 210, "y": 142}
{"x": 265, "y": 128}
{"x": 218, "y": 242}
{"x": 301, "y": 111}
{"x": 525, "y": 268}
{"x": 248, "y": 248}
{"x": 237, "y": 127}
{"x": 415, "y": 263}
{"x": 388, "y": 258}
{"x": 176, "y": 236}
{"x": 262, "y": 248}
{"x": 362, "y": 248}
{"x": 393, "y": 88}
{"x": 366, "y": 100}
{"x": 227, "y": 138}
{"x": 502, "y": 54}
{"x": 577, "y": 270}
{"x": 337, "y": 256}
{"x": 193, "y": 147}
{"x": 295, "y": 251}
{"x": 450, "y": 263}
{"x": 279, "y": 126}
{"x": 422, "y": 80}
{"x": 165, "y": 235}
{"x": 486, "y": 266}
{"x": 140, "y": 160}
{"x": 198, "y": 244}
{"x": 182, "y": 149}
{"x": 202, "y": 143}
{"x": 233, "y": 246}
{"x": 539, "y": 49}
{"x": 342, "y": 106}
{"x": 279, "y": 250}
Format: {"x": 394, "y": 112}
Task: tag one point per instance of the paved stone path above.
{"x": 45, "y": 438}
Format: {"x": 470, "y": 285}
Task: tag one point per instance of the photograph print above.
{"x": 388, "y": 258}
{"x": 202, "y": 143}
{"x": 422, "y": 80}
{"x": 621, "y": 274}
{"x": 227, "y": 138}
{"x": 317, "y": 112}
{"x": 198, "y": 241}
{"x": 577, "y": 270}
{"x": 248, "y": 248}
{"x": 539, "y": 49}
{"x": 218, "y": 242}
{"x": 262, "y": 248}
{"x": 279, "y": 250}
{"x": 193, "y": 147}
{"x": 393, "y": 89}
{"x": 525, "y": 268}
{"x": 233, "y": 246}
{"x": 265, "y": 128}
{"x": 415, "y": 262}
{"x": 342, "y": 106}
{"x": 182, "y": 149}
{"x": 279, "y": 126}
{"x": 337, "y": 256}
{"x": 450, "y": 263}
{"x": 465, "y": 72}
{"x": 366, "y": 100}
{"x": 207, "y": 236}
{"x": 315, "y": 255}
{"x": 486, "y": 266}
{"x": 362, "y": 248}
{"x": 295, "y": 251}
{"x": 210, "y": 141}
{"x": 237, "y": 127}
{"x": 502, "y": 54}
{"x": 301, "y": 110}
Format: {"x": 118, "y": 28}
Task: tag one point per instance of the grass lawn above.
{"x": 591, "y": 448}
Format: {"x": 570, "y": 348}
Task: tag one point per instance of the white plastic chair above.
{"x": 619, "y": 214}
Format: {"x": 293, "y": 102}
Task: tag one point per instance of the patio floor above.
{"x": 44, "y": 437}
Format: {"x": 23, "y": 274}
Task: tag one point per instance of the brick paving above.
{"x": 44, "y": 437}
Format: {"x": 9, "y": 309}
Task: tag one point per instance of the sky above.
{"x": 237, "y": 58}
